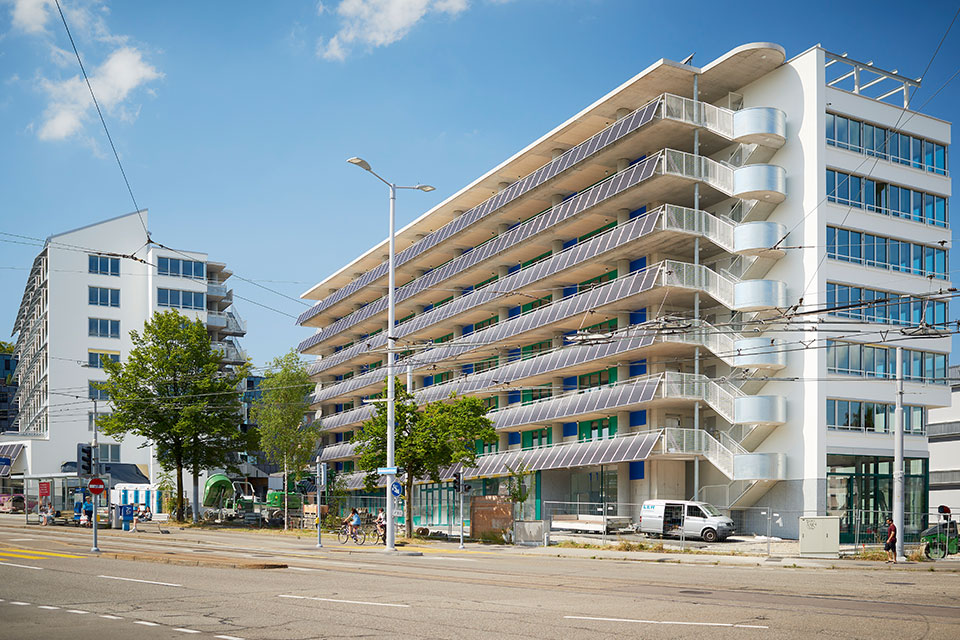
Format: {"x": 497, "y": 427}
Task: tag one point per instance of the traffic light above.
{"x": 467, "y": 488}
{"x": 84, "y": 459}
{"x": 456, "y": 482}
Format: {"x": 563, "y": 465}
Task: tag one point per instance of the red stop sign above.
{"x": 96, "y": 486}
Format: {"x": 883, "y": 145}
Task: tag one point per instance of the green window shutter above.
{"x": 526, "y": 440}
{"x": 526, "y": 396}
{"x": 549, "y": 441}
{"x": 348, "y": 466}
{"x": 585, "y": 432}
{"x": 613, "y": 374}
{"x": 613, "y": 425}
{"x": 478, "y": 445}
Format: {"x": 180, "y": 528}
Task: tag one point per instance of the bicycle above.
{"x": 379, "y": 537}
{"x": 344, "y": 534}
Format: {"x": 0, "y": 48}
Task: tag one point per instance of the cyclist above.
{"x": 353, "y": 521}
{"x": 382, "y": 525}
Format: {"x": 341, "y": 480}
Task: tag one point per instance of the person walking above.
{"x": 890, "y": 546}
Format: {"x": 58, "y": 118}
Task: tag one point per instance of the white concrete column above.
{"x": 457, "y": 331}
{"x": 556, "y": 153}
{"x": 622, "y": 163}
{"x": 623, "y": 371}
{"x": 623, "y": 267}
{"x": 457, "y": 213}
{"x": 502, "y": 228}
{"x": 623, "y": 319}
{"x": 556, "y": 199}
{"x": 623, "y": 216}
{"x": 556, "y": 341}
{"x": 504, "y": 440}
{"x": 503, "y": 313}
{"x": 503, "y": 271}
{"x": 503, "y": 185}
{"x": 623, "y": 422}
{"x": 623, "y": 112}
{"x": 556, "y": 246}
{"x": 557, "y": 432}
{"x": 418, "y": 382}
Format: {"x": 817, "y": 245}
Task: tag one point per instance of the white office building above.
{"x": 81, "y": 300}
{"x": 693, "y": 288}
{"x": 943, "y": 431}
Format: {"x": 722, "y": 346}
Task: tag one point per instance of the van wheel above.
{"x": 709, "y": 535}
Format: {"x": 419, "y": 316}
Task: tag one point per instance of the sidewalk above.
{"x": 178, "y": 544}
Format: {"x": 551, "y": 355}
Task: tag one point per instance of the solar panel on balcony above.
{"x": 577, "y": 154}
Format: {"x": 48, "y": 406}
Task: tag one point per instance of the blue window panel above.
{"x": 569, "y": 291}
{"x": 640, "y": 159}
{"x": 467, "y": 368}
{"x": 470, "y": 288}
{"x": 570, "y": 383}
{"x": 639, "y": 263}
{"x": 513, "y": 354}
{"x": 514, "y": 268}
{"x": 638, "y": 368}
{"x": 636, "y": 470}
{"x": 467, "y": 329}
{"x": 638, "y": 418}
{"x": 427, "y": 308}
{"x": 339, "y": 464}
{"x": 513, "y": 396}
{"x": 513, "y": 311}
{"x": 513, "y": 437}
{"x": 569, "y": 429}
{"x": 569, "y": 243}
{"x": 427, "y": 381}
{"x": 339, "y": 437}
{"x": 637, "y": 212}
{"x": 638, "y": 316}
{"x": 570, "y": 196}
{"x": 339, "y": 378}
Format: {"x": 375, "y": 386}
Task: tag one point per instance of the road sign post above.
{"x": 321, "y": 485}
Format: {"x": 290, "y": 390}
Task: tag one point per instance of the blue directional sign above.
{"x": 396, "y": 489}
{"x": 387, "y": 471}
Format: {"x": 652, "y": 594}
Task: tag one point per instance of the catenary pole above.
{"x": 95, "y": 458}
{"x": 898, "y": 458}
{"x": 391, "y": 391}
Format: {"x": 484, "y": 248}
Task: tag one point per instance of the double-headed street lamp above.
{"x": 391, "y": 351}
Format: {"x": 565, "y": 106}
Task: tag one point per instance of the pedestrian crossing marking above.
{"x": 42, "y": 554}
{"x": 20, "y": 555}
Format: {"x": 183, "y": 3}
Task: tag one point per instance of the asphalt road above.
{"x": 51, "y": 588}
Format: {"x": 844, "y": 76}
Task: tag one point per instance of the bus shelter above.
{"x": 62, "y": 491}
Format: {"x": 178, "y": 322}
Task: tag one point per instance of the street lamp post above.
{"x": 391, "y": 352}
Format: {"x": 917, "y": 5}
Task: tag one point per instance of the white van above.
{"x": 693, "y": 519}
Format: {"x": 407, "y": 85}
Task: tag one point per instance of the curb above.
{"x": 215, "y": 563}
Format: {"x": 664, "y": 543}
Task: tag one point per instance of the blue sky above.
{"x": 233, "y": 120}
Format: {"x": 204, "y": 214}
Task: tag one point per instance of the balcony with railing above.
{"x": 216, "y": 289}
{"x": 231, "y": 352}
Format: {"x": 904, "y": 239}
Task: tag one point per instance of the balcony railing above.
{"x": 231, "y": 352}
{"x": 216, "y": 289}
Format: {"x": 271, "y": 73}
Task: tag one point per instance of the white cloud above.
{"x": 70, "y": 105}
{"x": 378, "y": 23}
{"x": 122, "y": 71}
{"x": 31, "y": 15}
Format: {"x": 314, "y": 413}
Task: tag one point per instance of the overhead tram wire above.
{"x": 103, "y": 121}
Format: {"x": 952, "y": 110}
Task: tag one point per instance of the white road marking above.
{"x": 109, "y": 617}
{"x": 20, "y": 604}
{"x": 186, "y": 630}
{"x": 693, "y": 624}
{"x": 145, "y": 623}
{"x": 47, "y": 606}
{"x": 452, "y": 558}
{"x": 302, "y": 569}
{"x": 18, "y": 539}
{"x": 228, "y": 637}
{"x": 22, "y": 566}
{"x": 80, "y": 611}
{"x": 373, "y": 604}
{"x": 162, "y": 584}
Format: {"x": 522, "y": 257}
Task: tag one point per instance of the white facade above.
{"x": 83, "y": 298}
{"x": 943, "y": 427}
{"x": 711, "y": 249}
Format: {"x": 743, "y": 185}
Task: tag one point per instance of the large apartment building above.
{"x": 81, "y": 300}
{"x": 693, "y": 288}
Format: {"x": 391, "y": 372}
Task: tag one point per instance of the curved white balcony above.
{"x": 757, "y": 295}
{"x": 765, "y": 410}
{"x": 758, "y": 239}
{"x": 766, "y": 126}
{"x": 759, "y": 353}
{"x": 760, "y": 466}
{"x": 766, "y": 182}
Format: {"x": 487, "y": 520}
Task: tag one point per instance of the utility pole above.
{"x": 95, "y": 457}
{"x": 898, "y": 459}
{"x": 321, "y": 482}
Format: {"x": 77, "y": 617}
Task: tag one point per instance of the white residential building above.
{"x": 943, "y": 430}
{"x": 754, "y": 235}
{"x": 81, "y": 300}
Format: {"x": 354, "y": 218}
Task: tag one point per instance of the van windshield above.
{"x": 710, "y": 509}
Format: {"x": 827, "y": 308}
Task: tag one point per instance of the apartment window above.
{"x": 886, "y": 307}
{"x": 888, "y": 199}
{"x": 597, "y": 430}
{"x": 870, "y": 361}
{"x": 103, "y": 297}
{"x": 104, "y": 265}
{"x": 109, "y": 453}
{"x": 180, "y": 299}
{"x": 596, "y": 282}
{"x": 486, "y": 364}
{"x": 94, "y": 360}
{"x": 103, "y": 328}
{"x": 181, "y": 268}
{"x": 872, "y": 417}
{"x": 595, "y": 379}
{"x": 486, "y": 323}
{"x": 535, "y": 349}
{"x": 95, "y": 392}
{"x": 539, "y": 393}
{"x": 879, "y": 142}
{"x": 886, "y": 253}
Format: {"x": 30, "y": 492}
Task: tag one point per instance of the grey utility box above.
{"x": 820, "y": 537}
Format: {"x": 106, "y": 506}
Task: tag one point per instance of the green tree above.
{"x": 172, "y": 393}
{"x": 279, "y": 413}
{"x": 7, "y": 347}
{"x": 443, "y": 433}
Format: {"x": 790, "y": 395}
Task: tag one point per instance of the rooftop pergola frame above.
{"x": 867, "y": 80}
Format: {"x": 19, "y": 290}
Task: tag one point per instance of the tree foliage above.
{"x": 7, "y": 347}
{"x": 426, "y": 440}
{"x": 279, "y": 412}
{"x": 171, "y": 392}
